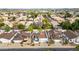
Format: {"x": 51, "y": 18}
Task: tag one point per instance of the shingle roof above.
{"x": 18, "y": 37}
{"x": 7, "y": 35}
{"x": 70, "y": 34}
{"x": 25, "y": 34}
{"x": 54, "y": 34}
{"x": 77, "y": 31}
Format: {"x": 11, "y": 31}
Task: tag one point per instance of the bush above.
{"x": 33, "y": 14}
{"x": 67, "y": 15}
{"x": 7, "y": 28}
{"x": 65, "y": 42}
{"x": 77, "y": 47}
{"x": 77, "y": 15}
{"x": 30, "y": 28}
{"x": 67, "y": 25}
{"x": 47, "y": 24}
{"x": 21, "y": 26}
{"x": 1, "y": 24}
{"x": 1, "y": 20}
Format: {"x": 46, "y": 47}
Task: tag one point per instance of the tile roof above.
{"x": 39, "y": 35}
{"x": 42, "y": 35}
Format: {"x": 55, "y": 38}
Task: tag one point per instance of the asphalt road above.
{"x": 37, "y": 49}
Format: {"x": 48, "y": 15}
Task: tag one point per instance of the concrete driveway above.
{"x": 57, "y": 43}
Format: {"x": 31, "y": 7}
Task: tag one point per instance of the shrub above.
{"x": 1, "y": 24}
{"x": 21, "y": 26}
{"x": 7, "y": 28}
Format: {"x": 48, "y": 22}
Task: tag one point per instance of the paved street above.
{"x": 38, "y": 49}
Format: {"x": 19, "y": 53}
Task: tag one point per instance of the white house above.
{"x": 39, "y": 37}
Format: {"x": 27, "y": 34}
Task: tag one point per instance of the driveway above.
{"x": 57, "y": 43}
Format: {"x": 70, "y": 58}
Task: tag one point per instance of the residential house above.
{"x": 71, "y": 36}
{"x": 18, "y": 38}
{"x": 39, "y": 37}
{"x": 26, "y": 34}
{"x": 7, "y": 37}
{"x": 39, "y": 18}
{"x": 55, "y": 35}
{"x": 22, "y": 36}
{"x": 77, "y": 32}
{"x": 38, "y": 23}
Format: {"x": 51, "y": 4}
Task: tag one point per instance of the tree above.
{"x": 1, "y": 24}
{"x": 67, "y": 15}
{"x": 49, "y": 14}
{"x": 65, "y": 42}
{"x": 66, "y": 25}
{"x": 77, "y": 15}
{"x": 33, "y": 26}
{"x": 33, "y": 14}
{"x": 21, "y": 26}
{"x": 1, "y": 20}
{"x": 39, "y": 28}
{"x": 30, "y": 28}
{"x": 46, "y": 24}
{"x": 77, "y": 47}
{"x": 75, "y": 25}
{"x": 7, "y": 28}
{"x": 49, "y": 26}
{"x": 45, "y": 21}
{"x": 13, "y": 18}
